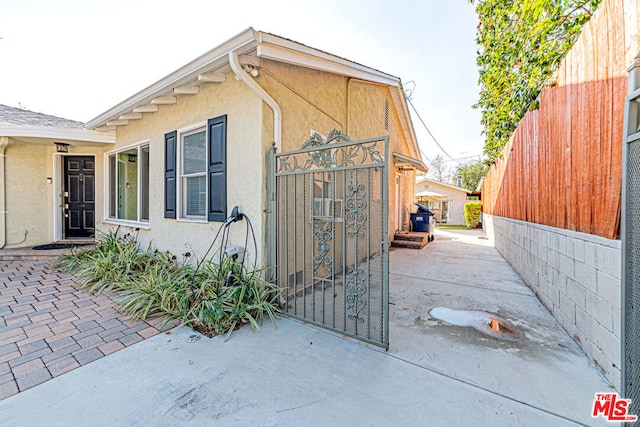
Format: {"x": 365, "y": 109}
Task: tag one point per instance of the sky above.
{"x": 77, "y": 59}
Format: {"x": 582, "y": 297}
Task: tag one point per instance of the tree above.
{"x": 521, "y": 43}
{"x": 438, "y": 170}
{"x": 472, "y": 172}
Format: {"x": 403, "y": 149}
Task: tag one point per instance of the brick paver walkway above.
{"x": 49, "y": 325}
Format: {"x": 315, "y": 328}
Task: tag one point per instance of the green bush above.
{"x": 472, "y": 212}
{"x": 213, "y": 299}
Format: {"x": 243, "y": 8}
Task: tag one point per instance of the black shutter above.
{"x": 217, "y": 168}
{"x": 170, "y": 147}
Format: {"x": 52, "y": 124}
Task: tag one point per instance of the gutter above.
{"x": 258, "y": 90}
{"x": 277, "y": 145}
{"x": 4, "y": 141}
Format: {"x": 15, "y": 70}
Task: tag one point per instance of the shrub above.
{"x": 213, "y": 299}
{"x": 472, "y": 212}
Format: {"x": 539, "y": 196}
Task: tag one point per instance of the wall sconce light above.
{"x": 49, "y": 180}
{"x": 61, "y": 147}
{"x": 132, "y": 158}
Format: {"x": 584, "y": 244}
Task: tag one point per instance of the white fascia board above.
{"x": 304, "y": 56}
{"x": 212, "y": 60}
{"x": 414, "y": 163}
{"x": 85, "y": 135}
{"x": 401, "y": 107}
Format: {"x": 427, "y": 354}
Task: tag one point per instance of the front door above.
{"x": 79, "y": 196}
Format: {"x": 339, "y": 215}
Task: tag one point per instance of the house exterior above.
{"x": 47, "y": 193}
{"x": 170, "y": 162}
{"x": 446, "y": 201}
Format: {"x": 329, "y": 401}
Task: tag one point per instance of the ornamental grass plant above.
{"x": 213, "y": 298}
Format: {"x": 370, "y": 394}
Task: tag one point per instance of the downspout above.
{"x": 277, "y": 144}
{"x": 4, "y": 141}
{"x": 258, "y": 90}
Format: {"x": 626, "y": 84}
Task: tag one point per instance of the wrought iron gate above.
{"x": 332, "y": 235}
{"x": 631, "y": 243}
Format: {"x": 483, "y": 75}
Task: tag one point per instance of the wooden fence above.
{"x": 563, "y": 164}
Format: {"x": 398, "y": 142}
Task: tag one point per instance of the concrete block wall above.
{"x": 576, "y": 276}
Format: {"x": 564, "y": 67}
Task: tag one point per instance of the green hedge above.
{"x": 472, "y": 212}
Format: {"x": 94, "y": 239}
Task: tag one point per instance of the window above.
{"x": 128, "y": 182}
{"x": 195, "y": 179}
{"x": 325, "y": 205}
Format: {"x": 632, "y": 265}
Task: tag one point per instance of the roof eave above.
{"x": 411, "y": 162}
{"x": 51, "y": 132}
{"x": 215, "y": 58}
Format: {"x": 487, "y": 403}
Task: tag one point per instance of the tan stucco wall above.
{"x": 245, "y": 166}
{"x": 321, "y": 101}
{"x": 32, "y": 203}
{"x": 27, "y": 193}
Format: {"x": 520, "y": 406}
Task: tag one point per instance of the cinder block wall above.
{"x": 576, "y": 276}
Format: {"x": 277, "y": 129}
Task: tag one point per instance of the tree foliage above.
{"x": 472, "y": 172}
{"x": 438, "y": 169}
{"x": 521, "y": 43}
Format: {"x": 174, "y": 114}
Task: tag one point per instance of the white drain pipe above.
{"x": 4, "y": 141}
{"x": 258, "y": 90}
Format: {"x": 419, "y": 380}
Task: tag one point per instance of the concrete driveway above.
{"x": 433, "y": 374}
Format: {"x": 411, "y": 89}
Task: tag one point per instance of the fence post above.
{"x": 629, "y": 225}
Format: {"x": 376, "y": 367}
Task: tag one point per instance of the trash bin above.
{"x": 421, "y": 220}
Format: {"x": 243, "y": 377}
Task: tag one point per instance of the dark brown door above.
{"x": 79, "y": 196}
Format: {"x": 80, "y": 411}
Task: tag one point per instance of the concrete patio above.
{"x": 433, "y": 374}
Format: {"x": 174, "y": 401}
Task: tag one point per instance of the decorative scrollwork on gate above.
{"x": 356, "y": 292}
{"x": 323, "y": 235}
{"x": 355, "y": 211}
{"x": 328, "y": 156}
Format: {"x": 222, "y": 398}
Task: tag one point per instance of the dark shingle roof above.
{"x": 17, "y": 116}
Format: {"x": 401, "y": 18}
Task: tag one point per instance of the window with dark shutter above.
{"x": 170, "y": 148}
{"x": 217, "y": 168}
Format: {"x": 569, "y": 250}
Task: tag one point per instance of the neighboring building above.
{"x": 195, "y": 144}
{"x": 446, "y": 201}
{"x": 48, "y": 167}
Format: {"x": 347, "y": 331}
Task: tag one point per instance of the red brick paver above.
{"x": 49, "y": 325}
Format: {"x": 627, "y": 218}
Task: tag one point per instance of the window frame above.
{"x": 180, "y": 201}
{"x": 139, "y": 221}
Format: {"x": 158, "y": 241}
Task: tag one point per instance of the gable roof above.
{"x": 38, "y": 127}
{"x": 448, "y": 186}
{"x": 251, "y": 45}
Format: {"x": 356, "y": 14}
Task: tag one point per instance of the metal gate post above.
{"x": 630, "y": 228}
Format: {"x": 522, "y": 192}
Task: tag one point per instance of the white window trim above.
{"x": 195, "y": 127}
{"x": 107, "y": 203}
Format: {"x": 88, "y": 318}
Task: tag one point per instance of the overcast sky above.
{"x": 77, "y": 59}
